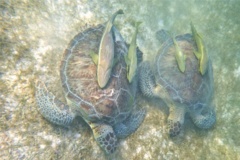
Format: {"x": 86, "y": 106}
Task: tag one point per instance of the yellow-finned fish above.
{"x": 106, "y": 53}
{"x": 180, "y": 57}
{"x": 131, "y": 57}
{"x": 201, "y": 52}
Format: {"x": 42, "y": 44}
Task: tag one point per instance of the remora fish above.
{"x": 180, "y": 57}
{"x": 201, "y": 53}
{"x": 106, "y": 53}
{"x": 131, "y": 57}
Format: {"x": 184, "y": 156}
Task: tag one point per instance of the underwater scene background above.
{"x": 33, "y": 37}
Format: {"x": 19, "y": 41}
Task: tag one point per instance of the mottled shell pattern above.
{"x": 189, "y": 88}
{"x": 111, "y": 104}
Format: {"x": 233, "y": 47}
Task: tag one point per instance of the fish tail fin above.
{"x": 192, "y": 26}
{"x": 194, "y": 31}
{"x": 137, "y": 24}
{"x": 120, "y": 11}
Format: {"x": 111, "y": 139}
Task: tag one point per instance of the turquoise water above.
{"x": 33, "y": 37}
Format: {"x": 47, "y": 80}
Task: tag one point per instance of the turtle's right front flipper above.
{"x": 51, "y": 108}
{"x": 105, "y": 136}
{"x": 175, "y": 118}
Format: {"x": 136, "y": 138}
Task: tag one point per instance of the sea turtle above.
{"x": 110, "y": 112}
{"x": 187, "y": 91}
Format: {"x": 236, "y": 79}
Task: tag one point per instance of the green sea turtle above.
{"x": 187, "y": 91}
{"x": 110, "y": 112}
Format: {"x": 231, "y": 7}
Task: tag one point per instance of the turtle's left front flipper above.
{"x": 51, "y": 108}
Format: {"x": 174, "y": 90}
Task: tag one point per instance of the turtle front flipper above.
{"x": 105, "y": 136}
{"x": 148, "y": 85}
{"x": 204, "y": 120}
{"x": 51, "y": 108}
{"x": 147, "y": 81}
{"x": 131, "y": 124}
{"x": 175, "y": 119}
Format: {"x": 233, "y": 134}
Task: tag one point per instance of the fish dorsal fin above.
{"x": 94, "y": 57}
{"x": 197, "y": 54}
{"x": 137, "y": 24}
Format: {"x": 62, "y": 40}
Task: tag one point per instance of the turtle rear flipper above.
{"x": 131, "y": 124}
{"x": 51, "y": 108}
{"x": 204, "y": 120}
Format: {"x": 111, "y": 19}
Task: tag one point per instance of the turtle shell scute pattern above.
{"x": 79, "y": 80}
{"x": 190, "y": 87}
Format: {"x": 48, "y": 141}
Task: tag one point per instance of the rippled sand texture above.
{"x": 33, "y": 36}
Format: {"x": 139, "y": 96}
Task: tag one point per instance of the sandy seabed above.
{"x": 33, "y": 36}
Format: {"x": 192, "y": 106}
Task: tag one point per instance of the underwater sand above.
{"x": 33, "y": 36}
